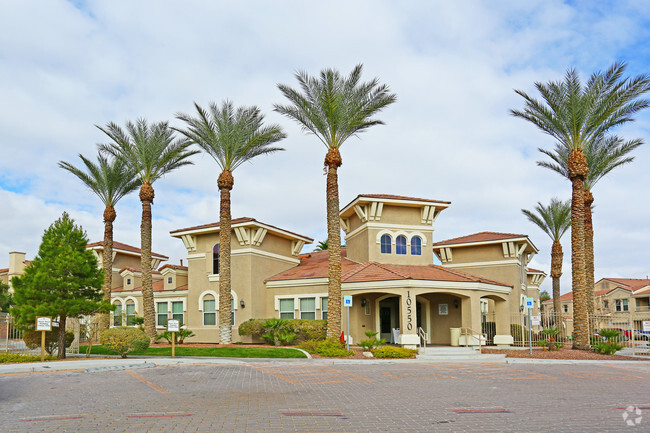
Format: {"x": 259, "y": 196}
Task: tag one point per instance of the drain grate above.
{"x": 483, "y": 410}
{"x": 312, "y": 414}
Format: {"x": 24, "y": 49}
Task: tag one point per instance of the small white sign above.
{"x": 173, "y": 325}
{"x": 347, "y": 301}
{"x": 443, "y": 309}
{"x": 530, "y": 302}
{"x": 646, "y": 325}
{"x": 535, "y": 320}
{"x": 43, "y": 323}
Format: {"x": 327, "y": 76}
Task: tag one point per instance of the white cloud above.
{"x": 450, "y": 136}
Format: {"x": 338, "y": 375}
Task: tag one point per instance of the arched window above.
{"x": 215, "y": 259}
{"x": 400, "y": 245}
{"x": 117, "y": 314}
{"x": 386, "y": 242}
{"x": 416, "y": 246}
{"x": 130, "y": 313}
{"x": 209, "y": 311}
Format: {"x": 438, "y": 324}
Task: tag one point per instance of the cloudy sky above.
{"x": 66, "y": 66}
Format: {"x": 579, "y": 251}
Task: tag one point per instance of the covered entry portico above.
{"x": 406, "y": 314}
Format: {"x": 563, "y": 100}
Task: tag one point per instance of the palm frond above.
{"x": 554, "y": 219}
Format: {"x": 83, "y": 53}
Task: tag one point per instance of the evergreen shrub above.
{"x": 124, "y": 340}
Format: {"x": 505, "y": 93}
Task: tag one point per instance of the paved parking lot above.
{"x": 316, "y": 396}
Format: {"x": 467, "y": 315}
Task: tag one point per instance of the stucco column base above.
{"x": 503, "y": 340}
{"x": 409, "y": 341}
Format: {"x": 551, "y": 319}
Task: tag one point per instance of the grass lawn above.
{"x": 220, "y": 352}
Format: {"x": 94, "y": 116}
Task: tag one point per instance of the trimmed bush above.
{"x": 394, "y": 352}
{"x": 328, "y": 348}
{"x": 32, "y": 340}
{"x": 10, "y": 358}
{"x": 304, "y": 329}
{"x": 124, "y": 339}
{"x": 610, "y": 346}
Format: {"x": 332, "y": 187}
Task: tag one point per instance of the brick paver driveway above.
{"x": 312, "y": 396}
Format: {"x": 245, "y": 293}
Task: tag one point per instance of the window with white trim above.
{"x": 566, "y": 308}
{"x": 130, "y": 313}
{"x": 177, "y": 311}
{"x": 117, "y": 314}
{"x": 386, "y": 242}
{"x": 400, "y": 245}
{"x": 287, "y": 310}
{"x": 215, "y": 258}
{"x": 209, "y": 311}
{"x": 323, "y": 308}
{"x": 162, "y": 313}
{"x": 416, "y": 246}
{"x": 308, "y": 308}
{"x": 622, "y": 305}
{"x": 170, "y": 280}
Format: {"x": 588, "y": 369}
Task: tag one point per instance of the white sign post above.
{"x": 347, "y": 303}
{"x": 530, "y": 303}
{"x": 43, "y": 324}
{"x": 173, "y": 326}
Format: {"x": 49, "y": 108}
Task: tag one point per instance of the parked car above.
{"x": 641, "y": 335}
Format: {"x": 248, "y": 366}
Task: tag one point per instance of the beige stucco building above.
{"x": 387, "y": 268}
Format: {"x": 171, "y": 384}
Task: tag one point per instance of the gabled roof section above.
{"x": 173, "y": 267}
{"x": 632, "y": 284}
{"x": 239, "y": 222}
{"x": 124, "y": 248}
{"x": 535, "y": 271}
{"x": 315, "y": 265}
{"x": 484, "y": 238}
{"x": 394, "y": 199}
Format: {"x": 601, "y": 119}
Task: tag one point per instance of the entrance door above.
{"x": 388, "y": 318}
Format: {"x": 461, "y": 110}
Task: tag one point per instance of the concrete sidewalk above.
{"x": 91, "y": 365}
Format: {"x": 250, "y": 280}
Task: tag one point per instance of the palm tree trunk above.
{"x": 107, "y": 263}
{"x": 332, "y": 162}
{"x": 146, "y": 197}
{"x": 556, "y": 272}
{"x": 589, "y": 252}
{"x": 578, "y": 169}
{"x": 62, "y": 320}
{"x": 225, "y": 183}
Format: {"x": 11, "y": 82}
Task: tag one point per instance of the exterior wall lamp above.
{"x": 364, "y": 302}
{"x": 241, "y": 303}
{"x": 456, "y": 303}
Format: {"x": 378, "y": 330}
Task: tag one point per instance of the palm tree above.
{"x": 231, "y": 136}
{"x": 322, "y": 246}
{"x": 110, "y": 180}
{"x": 576, "y": 115}
{"x": 334, "y": 108}
{"x": 603, "y": 156}
{"x": 151, "y": 152}
{"x": 554, "y": 220}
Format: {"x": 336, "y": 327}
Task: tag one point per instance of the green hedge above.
{"x": 303, "y": 328}
{"x": 394, "y": 352}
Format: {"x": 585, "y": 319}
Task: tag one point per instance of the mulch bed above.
{"x": 562, "y": 354}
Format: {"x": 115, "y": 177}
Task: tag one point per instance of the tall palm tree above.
{"x": 334, "y": 108}
{"x": 603, "y": 156}
{"x": 110, "y": 179}
{"x": 231, "y": 136}
{"x": 576, "y": 115}
{"x": 554, "y": 220}
{"x": 151, "y": 151}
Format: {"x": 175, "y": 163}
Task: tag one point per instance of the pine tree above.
{"x": 64, "y": 280}
{"x": 5, "y": 297}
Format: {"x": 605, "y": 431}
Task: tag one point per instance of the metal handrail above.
{"x": 463, "y": 331}
{"x": 423, "y": 336}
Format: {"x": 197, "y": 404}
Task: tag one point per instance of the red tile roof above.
{"x": 478, "y": 237}
{"x": 175, "y": 267}
{"x": 631, "y": 283}
{"x": 125, "y": 247}
{"x": 2, "y": 271}
{"x": 136, "y": 270}
{"x": 536, "y": 271}
{"x": 399, "y": 197}
{"x": 597, "y": 293}
{"x": 237, "y": 221}
{"x": 315, "y": 265}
